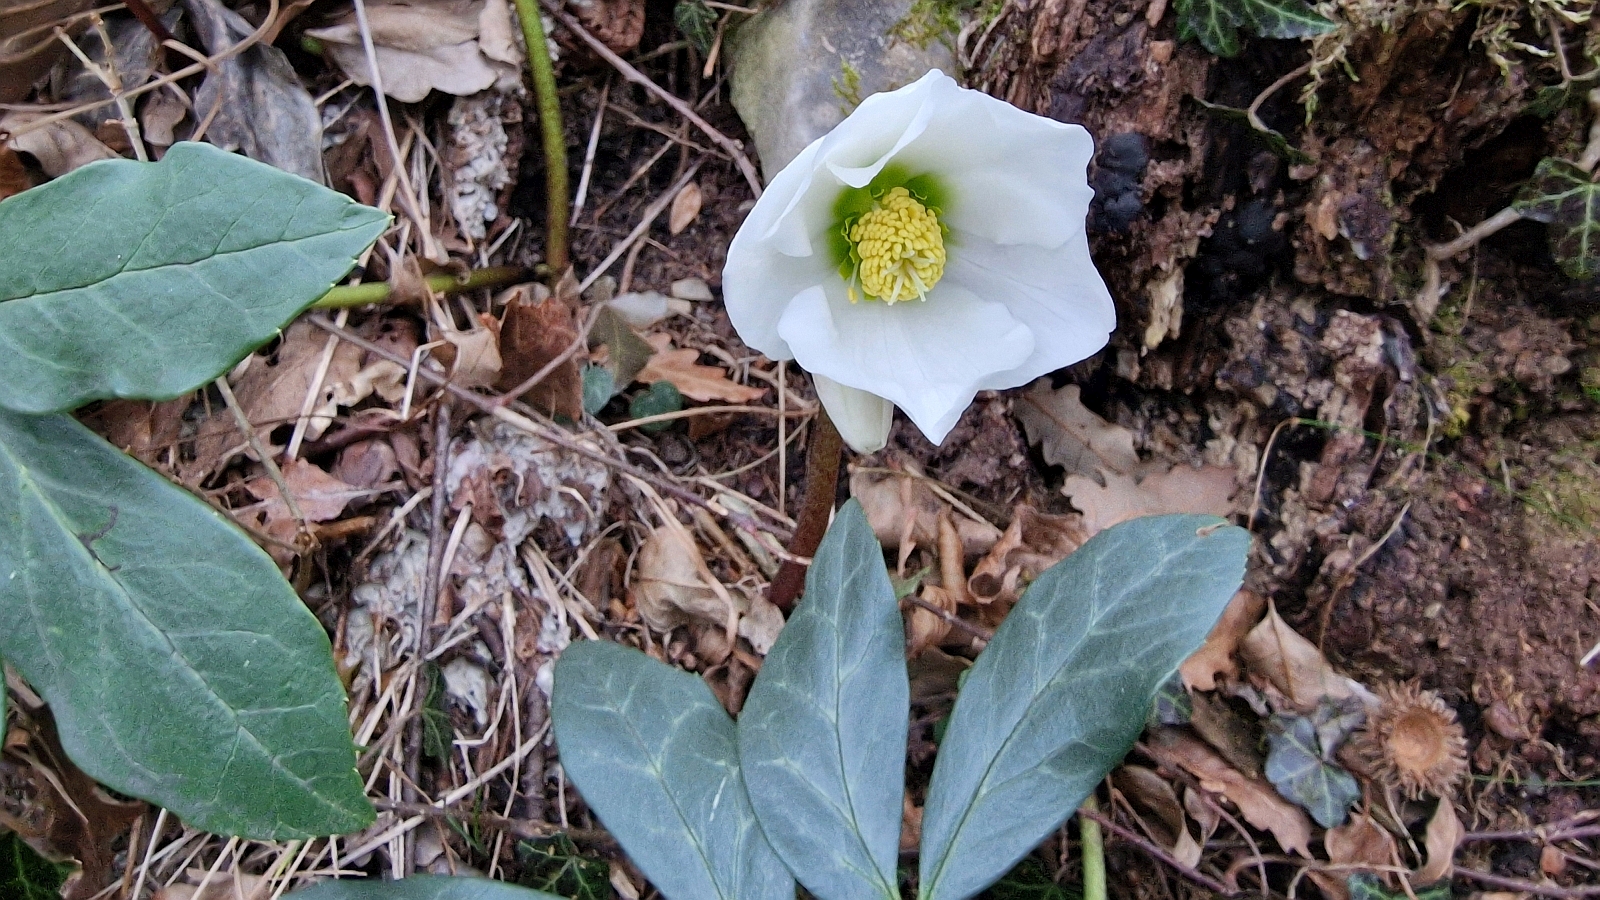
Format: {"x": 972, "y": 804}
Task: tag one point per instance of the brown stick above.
{"x": 822, "y": 482}
{"x": 1194, "y": 875}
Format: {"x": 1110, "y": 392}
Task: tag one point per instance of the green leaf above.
{"x": 180, "y": 666}
{"x": 656, "y": 757}
{"x": 1216, "y": 23}
{"x": 661, "y": 397}
{"x": 25, "y": 875}
{"x": 1567, "y": 199}
{"x": 130, "y": 279}
{"x": 822, "y": 736}
{"x": 626, "y": 352}
{"x": 1297, "y": 766}
{"x": 1367, "y": 886}
{"x": 598, "y": 388}
{"x": 421, "y": 887}
{"x": 1063, "y": 689}
{"x": 556, "y": 865}
{"x": 697, "y": 21}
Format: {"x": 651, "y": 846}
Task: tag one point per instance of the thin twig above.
{"x": 1519, "y": 884}
{"x": 522, "y": 828}
{"x": 731, "y": 146}
{"x": 273, "y": 472}
{"x": 1158, "y": 852}
{"x": 640, "y": 230}
{"x": 588, "y": 156}
{"x": 954, "y": 621}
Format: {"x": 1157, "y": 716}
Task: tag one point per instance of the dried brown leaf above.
{"x": 1215, "y": 656}
{"x": 1359, "y": 844}
{"x": 693, "y": 380}
{"x": 1070, "y": 435}
{"x": 904, "y": 513}
{"x": 421, "y": 46}
{"x": 1294, "y": 665}
{"x": 1154, "y": 491}
{"x": 14, "y": 177}
{"x": 685, "y": 208}
{"x": 927, "y": 629}
{"x": 534, "y": 332}
{"x": 1443, "y": 836}
{"x": 1257, "y": 801}
{"x": 59, "y": 147}
{"x": 473, "y": 356}
{"x": 671, "y": 586}
{"x": 320, "y": 497}
{"x": 1032, "y": 543}
{"x": 141, "y": 428}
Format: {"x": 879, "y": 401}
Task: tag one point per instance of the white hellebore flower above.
{"x": 929, "y": 247}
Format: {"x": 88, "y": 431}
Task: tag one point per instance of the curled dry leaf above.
{"x": 680, "y": 367}
{"x": 672, "y": 586}
{"x": 685, "y": 208}
{"x": 1215, "y": 656}
{"x": 14, "y": 177}
{"x": 1033, "y": 542}
{"x": 1070, "y": 435}
{"x": 926, "y": 629}
{"x": 1256, "y": 800}
{"x": 1294, "y": 665}
{"x": 904, "y": 513}
{"x": 472, "y": 356}
{"x": 619, "y": 24}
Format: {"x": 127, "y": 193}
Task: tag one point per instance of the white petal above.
{"x": 927, "y": 357}
{"x": 863, "y": 418}
{"x": 1056, "y": 293}
{"x": 1013, "y": 177}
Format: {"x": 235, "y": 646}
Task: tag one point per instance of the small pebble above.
{"x": 692, "y": 289}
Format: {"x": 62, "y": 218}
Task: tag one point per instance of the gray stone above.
{"x": 801, "y": 66}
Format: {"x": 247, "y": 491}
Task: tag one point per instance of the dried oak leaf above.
{"x": 1294, "y": 665}
{"x": 680, "y": 367}
{"x": 1358, "y": 843}
{"x": 904, "y": 513}
{"x": 1215, "y": 656}
{"x": 1260, "y": 805}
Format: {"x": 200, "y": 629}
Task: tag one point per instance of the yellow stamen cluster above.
{"x": 900, "y": 247}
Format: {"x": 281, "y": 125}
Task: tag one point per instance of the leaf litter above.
{"x": 535, "y": 543}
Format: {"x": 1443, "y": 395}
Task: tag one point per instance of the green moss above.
{"x": 941, "y": 20}
{"x": 847, "y": 86}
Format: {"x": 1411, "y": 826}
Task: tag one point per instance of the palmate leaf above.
{"x": 822, "y": 737}
{"x": 180, "y": 666}
{"x": 1217, "y": 23}
{"x": 129, "y": 279}
{"x": 421, "y": 887}
{"x": 1064, "y": 688}
{"x": 1567, "y": 199}
{"x": 1297, "y": 766}
{"x": 656, "y": 757}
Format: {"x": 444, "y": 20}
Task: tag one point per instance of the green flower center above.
{"x": 887, "y": 239}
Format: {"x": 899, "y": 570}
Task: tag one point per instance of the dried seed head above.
{"x": 1413, "y": 742}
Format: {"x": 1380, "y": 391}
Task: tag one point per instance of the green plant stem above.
{"x": 1094, "y": 853}
{"x": 822, "y": 481}
{"x": 557, "y": 203}
{"x": 345, "y": 295}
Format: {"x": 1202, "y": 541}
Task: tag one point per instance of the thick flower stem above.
{"x": 557, "y": 203}
{"x": 441, "y": 283}
{"x": 1094, "y": 852}
{"x": 822, "y": 481}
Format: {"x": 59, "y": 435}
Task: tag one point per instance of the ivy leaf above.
{"x": 1367, "y": 886}
{"x": 697, "y": 21}
{"x": 1216, "y": 23}
{"x": 1567, "y": 199}
{"x": 660, "y": 398}
{"x": 147, "y": 280}
{"x": 180, "y": 666}
{"x": 1298, "y": 768}
{"x": 25, "y": 875}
